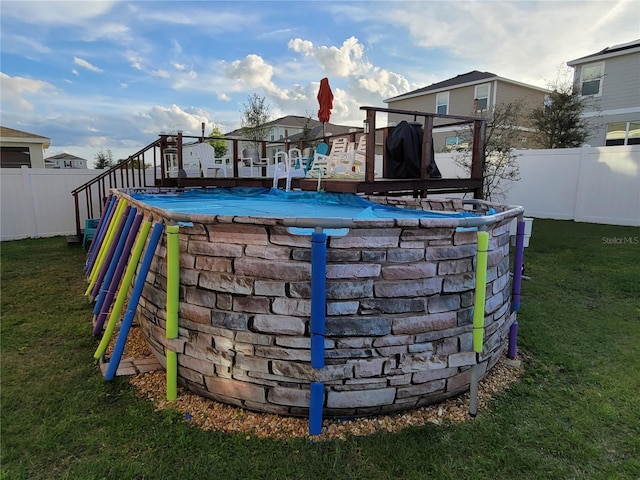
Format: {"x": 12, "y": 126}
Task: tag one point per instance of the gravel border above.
{"x": 208, "y": 414}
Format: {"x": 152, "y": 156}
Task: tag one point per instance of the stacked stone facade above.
{"x": 399, "y": 312}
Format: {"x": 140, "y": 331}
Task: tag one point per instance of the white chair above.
{"x": 349, "y": 165}
{"x": 292, "y": 167}
{"x": 208, "y": 163}
{"x": 323, "y": 165}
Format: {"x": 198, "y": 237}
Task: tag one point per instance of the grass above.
{"x": 574, "y": 415}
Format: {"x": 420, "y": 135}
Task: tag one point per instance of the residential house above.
{"x": 609, "y": 82}
{"x": 470, "y": 94}
{"x": 18, "y": 148}
{"x": 288, "y": 130}
{"x": 65, "y": 160}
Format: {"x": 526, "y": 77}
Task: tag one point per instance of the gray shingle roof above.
{"x": 470, "y": 77}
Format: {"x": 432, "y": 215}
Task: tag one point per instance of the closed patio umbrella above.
{"x": 325, "y": 101}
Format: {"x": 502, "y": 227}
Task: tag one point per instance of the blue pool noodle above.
{"x": 315, "y": 408}
{"x": 118, "y": 349}
{"x": 318, "y": 297}
{"x": 317, "y": 328}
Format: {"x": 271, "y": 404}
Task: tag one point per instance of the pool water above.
{"x": 273, "y": 203}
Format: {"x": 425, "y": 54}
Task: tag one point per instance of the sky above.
{"x": 95, "y": 75}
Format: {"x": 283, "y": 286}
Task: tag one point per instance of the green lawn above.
{"x": 574, "y": 415}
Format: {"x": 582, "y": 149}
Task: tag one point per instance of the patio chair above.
{"x": 323, "y": 165}
{"x": 251, "y": 164}
{"x": 90, "y": 227}
{"x": 292, "y": 169}
{"x": 349, "y": 165}
{"x": 210, "y": 166}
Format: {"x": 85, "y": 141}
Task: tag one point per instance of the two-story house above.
{"x": 288, "y": 130}
{"x": 609, "y": 82}
{"x": 18, "y": 148}
{"x": 470, "y": 94}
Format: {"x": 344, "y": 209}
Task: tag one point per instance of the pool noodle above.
{"x": 97, "y": 266}
{"x": 318, "y": 325}
{"x": 124, "y": 288}
{"x": 95, "y": 241}
{"x": 110, "y": 292}
{"x": 115, "y": 259}
{"x": 480, "y": 293}
{"x": 173, "y": 303}
{"x": 116, "y": 356}
{"x": 478, "y": 316}
{"x": 110, "y": 254}
{"x": 104, "y": 246}
{"x": 100, "y": 235}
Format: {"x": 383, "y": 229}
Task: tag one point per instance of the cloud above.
{"x": 15, "y": 91}
{"x": 56, "y": 13}
{"x": 250, "y": 72}
{"x": 159, "y": 118}
{"x": 84, "y": 64}
{"x": 348, "y": 59}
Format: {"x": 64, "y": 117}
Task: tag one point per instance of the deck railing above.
{"x": 148, "y": 166}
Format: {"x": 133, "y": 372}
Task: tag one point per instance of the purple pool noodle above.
{"x": 513, "y": 340}
{"x": 112, "y": 249}
{"x": 117, "y": 275}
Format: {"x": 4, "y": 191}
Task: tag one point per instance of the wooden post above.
{"x": 477, "y": 155}
{"x": 370, "y": 156}
{"x": 427, "y": 144}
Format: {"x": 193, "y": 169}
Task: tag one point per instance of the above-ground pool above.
{"x": 400, "y": 283}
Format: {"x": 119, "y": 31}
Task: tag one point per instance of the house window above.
{"x": 481, "y": 97}
{"x": 442, "y": 103}
{"x": 455, "y": 143}
{"x": 14, "y": 157}
{"x": 591, "y": 80}
{"x": 623, "y": 133}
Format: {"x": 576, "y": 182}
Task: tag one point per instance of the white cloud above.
{"x": 348, "y": 59}
{"x": 159, "y": 118}
{"x": 250, "y": 72}
{"x": 56, "y": 13}
{"x": 84, "y": 64}
{"x": 16, "y": 90}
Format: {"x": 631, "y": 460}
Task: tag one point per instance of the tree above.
{"x": 505, "y": 131}
{"x": 255, "y": 116}
{"x": 558, "y": 123}
{"x": 215, "y": 139}
{"x": 136, "y": 163}
{"x": 104, "y": 159}
{"x": 306, "y": 135}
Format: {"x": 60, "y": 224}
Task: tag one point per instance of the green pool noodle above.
{"x": 480, "y": 294}
{"x": 173, "y": 300}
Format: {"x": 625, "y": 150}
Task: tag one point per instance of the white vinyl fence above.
{"x": 597, "y": 185}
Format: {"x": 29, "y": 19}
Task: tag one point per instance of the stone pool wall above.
{"x": 399, "y": 312}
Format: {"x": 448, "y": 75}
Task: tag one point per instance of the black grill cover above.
{"x": 403, "y": 151}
